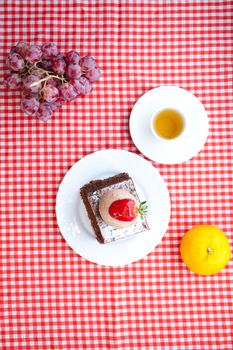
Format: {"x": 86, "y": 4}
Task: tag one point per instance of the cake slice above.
{"x": 113, "y": 207}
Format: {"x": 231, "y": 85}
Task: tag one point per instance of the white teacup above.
{"x": 168, "y": 124}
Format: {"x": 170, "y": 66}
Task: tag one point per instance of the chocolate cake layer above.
{"x": 91, "y": 194}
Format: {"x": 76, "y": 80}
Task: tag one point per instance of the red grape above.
{"x": 93, "y": 74}
{"x": 67, "y": 92}
{"x": 87, "y": 63}
{"x": 81, "y": 85}
{"x": 73, "y": 71}
{"x": 21, "y": 48}
{"x": 33, "y": 54}
{"x": 13, "y": 81}
{"x": 59, "y": 65}
{"x": 50, "y": 93}
{"x": 56, "y": 105}
{"x": 49, "y": 50}
{"x": 44, "y": 111}
{"x": 30, "y": 94}
{"x": 30, "y": 105}
{"x": 72, "y": 57}
{"x": 15, "y": 62}
{"x": 46, "y": 64}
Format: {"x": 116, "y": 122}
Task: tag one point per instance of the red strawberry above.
{"x": 126, "y": 209}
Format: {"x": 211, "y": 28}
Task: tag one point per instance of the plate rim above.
{"x": 168, "y": 209}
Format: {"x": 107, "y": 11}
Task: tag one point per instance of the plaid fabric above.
{"x": 51, "y": 298}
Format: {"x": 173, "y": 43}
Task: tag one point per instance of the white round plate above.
{"x": 73, "y": 220}
{"x": 165, "y": 152}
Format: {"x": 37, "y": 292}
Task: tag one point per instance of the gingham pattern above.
{"x": 52, "y": 298}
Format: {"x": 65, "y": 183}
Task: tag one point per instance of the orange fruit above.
{"x": 205, "y": 249}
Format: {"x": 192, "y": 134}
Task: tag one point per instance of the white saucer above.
{"x": 74, "y": 223}
{"x": 187, "y": 104}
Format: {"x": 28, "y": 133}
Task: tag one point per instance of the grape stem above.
{"x": 48, "y": 73}
{"x": 45, "y": 79}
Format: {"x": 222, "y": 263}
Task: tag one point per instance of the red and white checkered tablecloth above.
{"x": 51, "y": 298}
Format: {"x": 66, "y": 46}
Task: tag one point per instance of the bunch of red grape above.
{"x": 47, "y": 79}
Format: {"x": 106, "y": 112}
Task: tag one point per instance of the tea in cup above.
{"x": 167, "y": 124}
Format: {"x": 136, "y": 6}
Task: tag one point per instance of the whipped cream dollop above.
{"x": 105, "y": 202}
